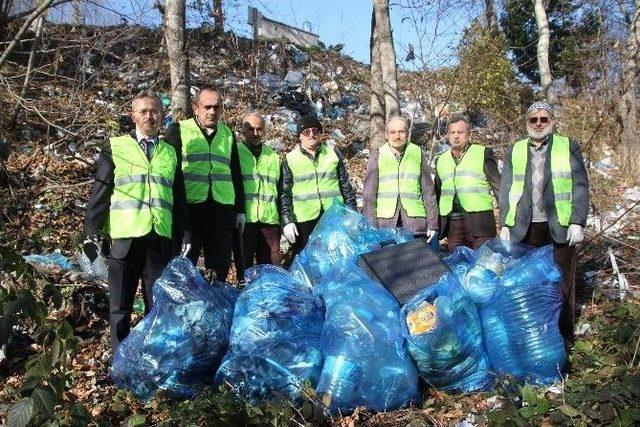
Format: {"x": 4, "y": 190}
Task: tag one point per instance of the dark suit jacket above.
{"x": 100, "y": 200}
{"x": 224, "y": 216}
{"x": 479, "y": 223}
{"x": 579, "y": 195}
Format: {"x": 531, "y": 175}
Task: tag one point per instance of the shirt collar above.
{"x": 140, "y": 136}
{"x": 207, "y": 131}
{"x": 545, "y": 141}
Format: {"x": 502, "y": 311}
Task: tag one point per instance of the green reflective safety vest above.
{"x": 260, "y": 177}
{"x": 142, "y": 197}
{"x": 561, "y": 180}
{"x": 400, "y": 179}
{"x": 207, "y": 165}
{"x": 315, "y": 184}
{"x": 466, "y": 178}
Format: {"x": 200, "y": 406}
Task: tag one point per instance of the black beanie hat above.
{"x": 308, "y": 121}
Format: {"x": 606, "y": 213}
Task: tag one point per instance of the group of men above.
{"x": 195, "y": 189}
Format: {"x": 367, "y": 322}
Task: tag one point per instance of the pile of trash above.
{"x": 178, "y": 345}
{"x": 327, "y": 324}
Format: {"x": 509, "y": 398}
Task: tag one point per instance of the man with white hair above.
{"x": 398, "y": 189}
{"x": 544, "y": 198}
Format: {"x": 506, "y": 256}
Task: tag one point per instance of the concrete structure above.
{"x": 266, "y": 28}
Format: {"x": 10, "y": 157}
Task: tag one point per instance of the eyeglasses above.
{"x": 310, "y": 131}
{"x": 543, "y": 120}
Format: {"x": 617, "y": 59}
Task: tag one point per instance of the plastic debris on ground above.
{"x": 275, "y": 337}
{"x": 179, "y": 344}
{"x": 50, "y": 261}
{"x": 366, "y": 360}
{"x": 517, "y": 290}
{"x": 444, "y": 336}
{"x": 91, "y": 261}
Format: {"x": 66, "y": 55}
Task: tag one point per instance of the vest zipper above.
{"x": 259, "y": 187}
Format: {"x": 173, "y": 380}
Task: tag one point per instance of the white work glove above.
{"x": 505, "y": 234}
{"x": 186, "y": 247}
{"x": 241, "y": 220}
{"x": 431, "y": 234}
{"x": 290, "y": 231}
{"x": 575, "y": 234}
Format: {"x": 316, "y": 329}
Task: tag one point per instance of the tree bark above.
{"x": 174, "y": 33}
{"x": 546, "y": 79}
{"x": 376, "y": 110}
{"x": 218, "y": 17}
{"x": 27, "y": 77}
{"x": 25, "y": 26}
{"x": 491, "y": 16}
{"x": 628, "y": 105}
{"x": 387, "y": 57}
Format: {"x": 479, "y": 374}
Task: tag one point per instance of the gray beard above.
{"x": 533, "y": 134}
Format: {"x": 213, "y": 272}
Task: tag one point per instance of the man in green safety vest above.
{"x": 137, "y": 196}
{"x": 465, "y": 177}
{"x": 398, "y": 189}
{"x": 313, "y": 175}
{"x": 260, "y": 241}
{"x": 213, "y": 181}
{"x": 544, "y": 198}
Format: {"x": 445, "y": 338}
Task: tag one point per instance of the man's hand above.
{"x": 505, "y": 234}
{"x": 290, "y": 231}
{"x": 91, "y": 247}
{"x": 241, "y": 220}
{"x": 575, "y": 234}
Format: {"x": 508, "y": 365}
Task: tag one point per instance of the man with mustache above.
{"x": 137, "y": 197}
{"x": 544, "y": 198}
{"x": 465, "y": 177}
{"x": 213, "y": 181}
{"x": 398, "y": 189}
{"x": 313, "y": 174}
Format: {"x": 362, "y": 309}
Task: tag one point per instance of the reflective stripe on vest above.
{"x": 561, "y": 180}
{"x": 466, "y": 178}
{"x": 207, "y": 165}
{"x": 400, "y": 179}
{"x": 142, "y": 197}
{"x": 315, "y": 184}
{"x": 260, "y": 178}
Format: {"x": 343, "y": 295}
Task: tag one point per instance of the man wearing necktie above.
{"x": 213, "y": 181}
{"x": 137, "y": 196}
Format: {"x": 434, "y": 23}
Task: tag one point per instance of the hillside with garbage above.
{"x": 54, "y": 325}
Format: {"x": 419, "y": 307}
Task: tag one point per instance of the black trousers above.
{"x": 146, "y": 259}
{"x": 304, "y": 231}
{"x": 260, "y": 245}
{"x": 212, "y": 228}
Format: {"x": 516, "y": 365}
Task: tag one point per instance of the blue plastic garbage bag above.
{"x": 520, "y": 320}
{"x": 517, "y": 291}
{"x": 275, "y": 337}
{"x": 51, "y": 260}
{"x": 444, "y": 337}
{"x": 366, "y": 360}
{"x": 339, "y": 237}
{"x": 179, "y": 344}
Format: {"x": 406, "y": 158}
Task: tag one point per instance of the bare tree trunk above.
{"x": 218, "y": 17}
{"x": 546, "y": 79}
{"x": 27, "y": 23}
{"x": 27, "y": 77}
{"x": 490, "y": 14}
{"x": 77, "y": 17}
{"x": 174, "y": 33}
{"x": 387, "y": 57}
{"x": 628, "y": 106}
{"x": 376, "y": 111}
